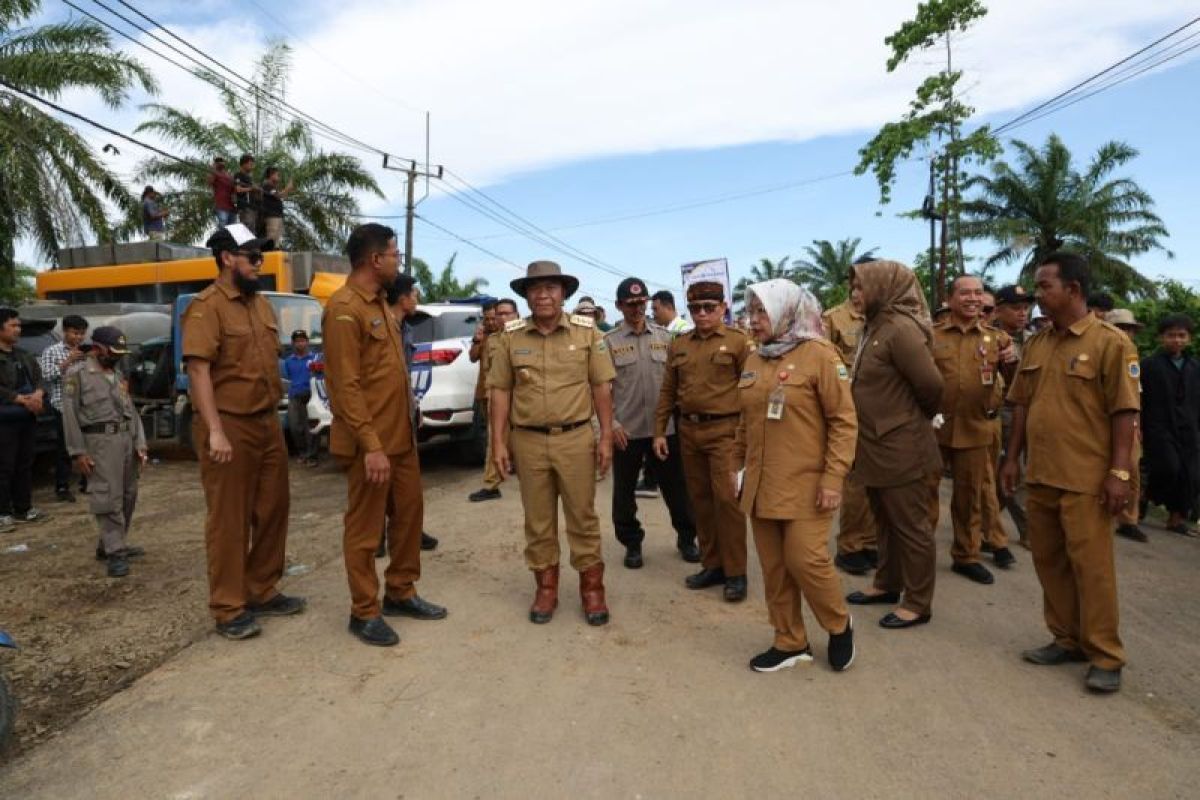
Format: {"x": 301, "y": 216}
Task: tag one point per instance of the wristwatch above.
{"x": 1119, "y": 474}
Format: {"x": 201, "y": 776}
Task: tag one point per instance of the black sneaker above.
{"x": 853, "y": 563}
{"x": 428, "y": 542}
{"x": 243, "y": 626}
{"x": 735, "y": 589}
{"x": 415, "y": 607}
{"x": 374, "y": 631}
{"x": 1132, "y": 532}
{"x": 688, "y": 551}
{"x": 484, "y": 494}
{"x": 118, "y": 566}
{"x": 633, "y": 557}
{"x": 1002, "y": 557}
{"x": 841, "y": 647}
{"x": 774, "y": 660}
{"x": 64, "y": 495}
{"x": 705, "y": 578}
{"x": 976, "y": 572}
{"x": 642, "y": 490}
{"x": 281, "y": 605}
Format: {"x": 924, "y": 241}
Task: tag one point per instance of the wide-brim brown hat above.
{"x": 1123, "y": 318}
{"x": 545, "y": 270}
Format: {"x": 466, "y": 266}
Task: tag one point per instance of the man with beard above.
{"x": 104, "y": 435}
{"x": 374, "y": 437}
{"x": 231, "y": 348}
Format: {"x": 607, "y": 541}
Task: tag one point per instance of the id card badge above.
{"x": 987, "y": 374}
{"x": 775, "y": 403}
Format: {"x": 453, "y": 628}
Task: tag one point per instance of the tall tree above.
{"x": 933, "y": 121}
{"x": 52, "y": 187}
{"x": 826, "y": 270}
{"x": 764, "y": 270}
{"x": 1043, "y": 203}
{"x": 321, "y": 210}
{"x": 445, "y": 285}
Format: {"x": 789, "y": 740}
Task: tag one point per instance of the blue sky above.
{"x": 572, "y": 111}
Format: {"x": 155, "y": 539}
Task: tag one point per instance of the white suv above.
{"x": 442, "y": 375}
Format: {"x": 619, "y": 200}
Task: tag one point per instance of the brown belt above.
{"x": 553, "y": 429}
{"x": 707, "y": 417}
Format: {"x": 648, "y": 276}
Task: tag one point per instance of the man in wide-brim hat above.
{"x": 549, "y": 374}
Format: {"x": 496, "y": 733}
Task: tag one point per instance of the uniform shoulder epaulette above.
{"x": 514, "y": 325}
{"x": 206, "y": 292}
{"x": 1113, "y": 328}
{"x": 582, "y": 321}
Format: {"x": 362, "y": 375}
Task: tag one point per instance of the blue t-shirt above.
{"x": 295, "y": 369}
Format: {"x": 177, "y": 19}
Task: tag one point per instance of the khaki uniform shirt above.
{"x": 551, "y": 375}
{"x": 702, "y": 375}
{"x": 92, "y": 395}
{"x": 973, "y": 390}
{"x": 640, "y": 359}
{"x": 810, "y": 447}
{"x": 483, "y": 351}
{"x": 844, "y": 327}
{"x": 366, "y": 376}
{"x": 1071, "y": 384}
{"x": 239, "y": 337}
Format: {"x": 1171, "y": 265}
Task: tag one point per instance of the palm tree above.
{"x": 318, "y": 214}
{"x": 444, "y": 286}
{"x": 1045, "y": 204}
{"x": 764, "y": 270}
{"x": 52, "y": 187}
{"x": 827, "y": 268}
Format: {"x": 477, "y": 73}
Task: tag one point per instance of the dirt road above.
{"x": 657, "y": 704}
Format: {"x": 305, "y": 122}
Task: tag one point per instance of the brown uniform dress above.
{"x": 856, "y": 526}
{"x": 246, "y": 529}
{"x": 482, "y": 351}
{"x": 551, "y": 378}
{"x": 786, "y": 461}
{"x": 968, "y": 359}
{"x": 1072, "y": 383}
{"x": 369, "y": 395}
{"x": 701, "y": 384}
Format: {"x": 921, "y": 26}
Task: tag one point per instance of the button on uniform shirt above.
{"x": 551, "y": 375}
{"x": 50, "y": 362}
{"x": 1071, "y": 384}
{"x": 810, "y": 447}
{"x": 640, "y": 360}
{"x": 94, "y": 395}
{"x": 366, "y": 375}
{"x": 239, "y": 337}
{"x": 844, "y": 327}
{"x": 702, "y": 375}
{"x": 973, "y": 391}
{"x": 299, "y": 376}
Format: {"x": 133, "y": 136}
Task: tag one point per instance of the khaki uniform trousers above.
{"x": 112, "y": 486}
{"x": 491, "y": 475}
{"x": 400, "y": 503}
{"x": 246, "y": 530}
{"x": 1071, "y": 537}
{"x": 992, "y": 528}
{"x": 549, "y": 467}
{"x": 794, "y": 554}
{"x": 707, "y": 449}
{"x": 856, "y": 524}
{"x": 1017, "y": 502}
{"x": 907, "y": 553}
{"x": 974, "y": 482}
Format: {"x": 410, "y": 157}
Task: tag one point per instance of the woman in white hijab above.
{"x": 796, "y": 440}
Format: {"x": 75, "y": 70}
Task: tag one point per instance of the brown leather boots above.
{"x": 591, "y": 591}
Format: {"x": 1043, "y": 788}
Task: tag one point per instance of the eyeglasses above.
{"x": 703, "y": 308}
{"x": 254, "y": 257}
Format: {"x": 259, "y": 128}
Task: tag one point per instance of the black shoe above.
{"x": 64, "y": 496}
{"x": 894, "y": 622}
{"x": 428, "y": 542}
{"x": 243, "y": 626}
{"x": 841, "y": 647}
{"x": 1052, "y": 655}
{"x": 374, "y": 631}
{"x": 976, "y": 572}
{"x": 1104, "y": 681}
{"x": 484, "y": 494}
{"x": 872, "y": 557}
{"x": 864, "y": 599}
{"x": 853, "y": 563}
{"x": 281, "y": 605}
{"x": 774, "y": 660}
{"x": 705, "y": 578}
{"x": 1132, "y": 532}
{"x": 689, "y": 552}
{"x": 128, "y": 552}
{"x": 414, "y": 607}
{"x": 118, "y": 567}
{"x": 735, "y": 589}
{"x": 633, "y": 557}
{"x": 642, "y": 490}
{"x": 1003, "y": 558}
{"x": 985, "y": 547}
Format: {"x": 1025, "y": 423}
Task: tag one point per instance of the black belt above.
{"x": 707, "y": 417}
{"x": 106, "y": 427}
{"x": 554, "y": 429}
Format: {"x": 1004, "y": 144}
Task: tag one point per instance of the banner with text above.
{"x": 715, "y": 270}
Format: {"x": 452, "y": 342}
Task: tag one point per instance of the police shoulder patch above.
{"x": 842, "y": 373}
{"x": 1135, "y": 369}
{"x": 514, "y": 325}
{"x": 582, "y": 321}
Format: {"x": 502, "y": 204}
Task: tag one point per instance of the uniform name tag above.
{"x": 775, "y": 403}
{"x": 522, "y": 351}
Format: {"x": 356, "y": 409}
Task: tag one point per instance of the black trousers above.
{"x": 16, "y": 467}
{"x": 627, "y": 464}
{"x": 62, "y": 460}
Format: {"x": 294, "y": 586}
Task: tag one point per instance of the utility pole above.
{"x": 412, "y": 172}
